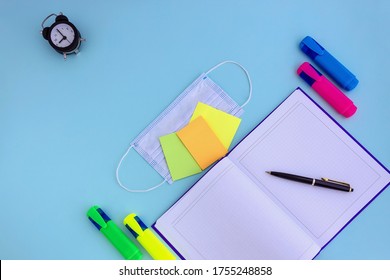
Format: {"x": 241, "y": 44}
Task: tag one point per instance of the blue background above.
{"x": 65, "y": 124}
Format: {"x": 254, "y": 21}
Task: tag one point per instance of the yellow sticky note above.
{"x": 201, "y": 142}
{"x": 223, "y": 124}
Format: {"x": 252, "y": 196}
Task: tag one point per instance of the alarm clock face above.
{"x": 62, "y": 35}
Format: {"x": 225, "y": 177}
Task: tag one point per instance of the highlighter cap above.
{"x": 113, "y": 233}
{"x": 311, "y": 48}
{"x": 331, "y": 66}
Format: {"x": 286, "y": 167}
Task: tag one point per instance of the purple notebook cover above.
{"x": 178, "y": 253}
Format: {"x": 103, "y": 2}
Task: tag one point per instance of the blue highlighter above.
{"x": 337, "y": 71}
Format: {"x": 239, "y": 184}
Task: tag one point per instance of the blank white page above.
{"x": 226, "y": 216}
{"x": 299, "y": 138}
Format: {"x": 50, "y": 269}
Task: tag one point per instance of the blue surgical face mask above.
{"x": 176, "y": 116}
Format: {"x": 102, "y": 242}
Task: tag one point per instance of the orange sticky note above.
{"x": 223, "y": 124}
{"x": 201, "y": 142}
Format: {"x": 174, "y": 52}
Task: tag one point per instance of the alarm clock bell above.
{"x": 62, "y": 35}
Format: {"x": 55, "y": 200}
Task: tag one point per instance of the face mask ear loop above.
{"x": 120, "y": 183}
{"x": 246, "y": 73}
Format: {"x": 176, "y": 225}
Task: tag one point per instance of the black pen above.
{"x": 323, "y": 182}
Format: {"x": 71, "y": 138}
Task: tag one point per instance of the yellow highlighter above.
{"x": 147, "y": 238}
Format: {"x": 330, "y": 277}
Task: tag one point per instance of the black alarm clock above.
{"x": 62, "y": 35}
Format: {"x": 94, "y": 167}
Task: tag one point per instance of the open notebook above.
{"x": 238, "y": 211}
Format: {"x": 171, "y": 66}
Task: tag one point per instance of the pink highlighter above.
{"x": 328, "y": 91}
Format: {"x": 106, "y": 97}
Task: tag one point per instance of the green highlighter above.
{"x": 113, "y": 233}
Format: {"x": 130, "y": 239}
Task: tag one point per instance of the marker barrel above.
{"x": 147, "y": 238}
{"x": 328, "y": 91}
{"x": 121, "y": 242}
{"x": 327, "y": 62}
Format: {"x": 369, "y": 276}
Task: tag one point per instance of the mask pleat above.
{"x": 177, "y": 115}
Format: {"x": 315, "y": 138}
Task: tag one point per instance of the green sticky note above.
{"x": 180, "y": 162}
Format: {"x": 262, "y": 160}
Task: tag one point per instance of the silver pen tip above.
{"x": 269, "y": 172}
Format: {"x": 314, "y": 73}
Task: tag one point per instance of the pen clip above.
{"x": 311, "y": 47}
{"x": 134, "y": 224}
{"x": 97, "y": 216}
{"x": 307, "y": 72}
{"x": 336, "y": 182}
